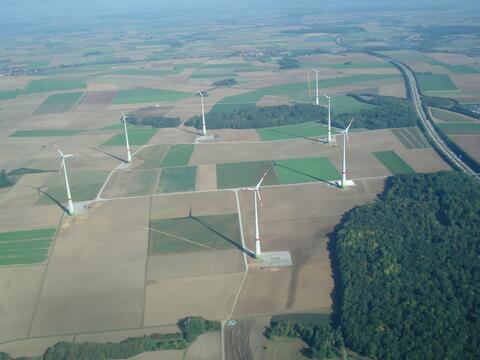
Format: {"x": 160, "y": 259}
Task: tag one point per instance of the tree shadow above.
{"x": 305, "y": 174}
{"x": 111, "y": 155}
{"x": 209, "y": 227}
{"x": 59, "y": 204}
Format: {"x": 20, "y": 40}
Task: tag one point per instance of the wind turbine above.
{"x": 256, "y": 193}
{"x": 344, "y": 181}
{"x": 124, "y": 120}
{"x": 317, "y": 102}
{"x": 329, "y": 118}
{"x": 204, "y": 128}
{"x": 63, "y": 165}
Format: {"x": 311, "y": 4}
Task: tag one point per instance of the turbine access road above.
{"x": 417, "y": 100}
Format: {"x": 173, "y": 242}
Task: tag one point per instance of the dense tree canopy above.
{"x": 225, "y": 82}
{"x": 154, "y": 121}
{"x": 409, "y": 270}
{"x": 389, "y": 112}
{"x": 260, "y": 117}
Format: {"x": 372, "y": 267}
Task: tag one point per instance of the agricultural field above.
{"x": 412, "y": 138}
{"x": 136, "y": 136}
{"x": 449, "y": 116}
{"x": 44, "y": 133}
{"x": 9, "y": 94}
{"x": 460, "y": 128}
{"x": 394, "y": 163}
{"x": 25, "y": 247}
{"x": 44, "y": 85}
{"x": 435, "y": 82}
{"x": 177, "y": 179}
{"x": 295, "y": 131}
{"x": 177, "y": 155}
{"x": 147, "y": 95}
{"x": 58, "y": 103}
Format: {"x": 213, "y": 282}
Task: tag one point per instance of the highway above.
{"x": 431, "y": 132}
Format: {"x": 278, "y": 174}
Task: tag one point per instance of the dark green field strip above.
{"x": 220, "y": 232}
{"x": 178, "y": 155}
{"x": 14, "y": 253}
{"x": 435, "y": 82}
{"x": 45, "y": 133}
{"x": 304, "y": 170}
{"x": 26, "y": 260}
{"x": 28, "y": 234}
{"x": 43, "y": 85}
{"x": 394, "y": 163}
{"x": 58, "y": 103}
{"x": 177, "y": 179}
{"x": 24, "y": 244}
{"x": 135, "y": 137}
{"x": 460, "y": 128}
{"x": 9, "y": 94}
{"x": 236, "y": 175}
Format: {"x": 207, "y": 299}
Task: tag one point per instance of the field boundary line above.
{"x": 52, "y": 248}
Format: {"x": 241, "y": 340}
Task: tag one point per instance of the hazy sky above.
{"x": 25, "y": 9}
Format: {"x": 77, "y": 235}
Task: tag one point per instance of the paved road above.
{"x": 427, "y": 123}
{"x": 237, "y": 341}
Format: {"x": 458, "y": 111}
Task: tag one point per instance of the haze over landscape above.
{"x": 201, "y": 180}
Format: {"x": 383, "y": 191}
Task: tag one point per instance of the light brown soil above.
{"x": 206, "y": 177}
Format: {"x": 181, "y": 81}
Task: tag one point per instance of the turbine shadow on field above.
{"x": 204, "y": 224}
{"x": 302, "y": 173}
{"x": 111, "y": 155}
{"x": 190, "y": 131}
{"x": 39, "y": 189}
{"x": 295, "y": 135}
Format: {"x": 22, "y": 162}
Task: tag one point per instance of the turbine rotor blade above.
{"x": 259, "y": 197}
{"x": 261, "y": 180}
{"x": 348, "y": 127}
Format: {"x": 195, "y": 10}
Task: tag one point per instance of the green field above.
{"x": 58, "y": 103}
{"x": 460, "y": 128}
{"x": 201, "y": 74}
{"x": 411, "y": 137}
{"x": 146, "y": 95}
{"x": 45, "y": 133}
{"x": 39, "y": 63}
{"x": 84, "y": 185}
{"x": 449, "y": 116}
{"x": 435, "y": 82}
{"x": 53, "y": 85}
{"x": 461, "y": 69}
{"x": 346, "y": 104}
{"x": 177, "y": 179}
{"x": 178, "y": 155}
{"x": 9, "y": 94}
{"x": 142, "y": 182}
{"x": 220, "y": 232}
{"x": 141, "y": 72}
{"x": 373, "y": 65}
{"x": 242, "y": 174}
{"x": 295, "y": 91}
{"x": 412, "y": 56}
{"x": 25, "y": 247}
{"x": 152, "y": 156}
{"x": 135, "y": 137}
{"x": 303, "y": 130}
{"x": 304, "y": 170}
{"x": 393, "y": 162}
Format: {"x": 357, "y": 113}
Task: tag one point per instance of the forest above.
{"x": 408, "y": 270}
{"x": 225, "y": 82}
{"x": 288, "y": 62}
{"x": 190, "y": 327}
{"x": 448, "y": 104}
{"x": 260, "y": 117}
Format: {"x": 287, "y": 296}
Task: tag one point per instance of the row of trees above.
{"x": 448, "y": 104}
{"x": 225, "y": 82}
{"x": 260, "y": 117}
{"x": 409, "y": 275}
{"x": 190, "y": 327}
{"x": 324, "y": 342}
{"x": 154, "y": 121}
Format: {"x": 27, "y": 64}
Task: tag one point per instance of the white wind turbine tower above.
{"x": 329, "y": 118}
{"x": 256, "y": 193}
{"x": 344, "y": 182}
{"x": 317, "y": 102}
{"x": 63, "y": 165}
{"x": 204, "y": 128}
{"x": 129, "y": 155}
